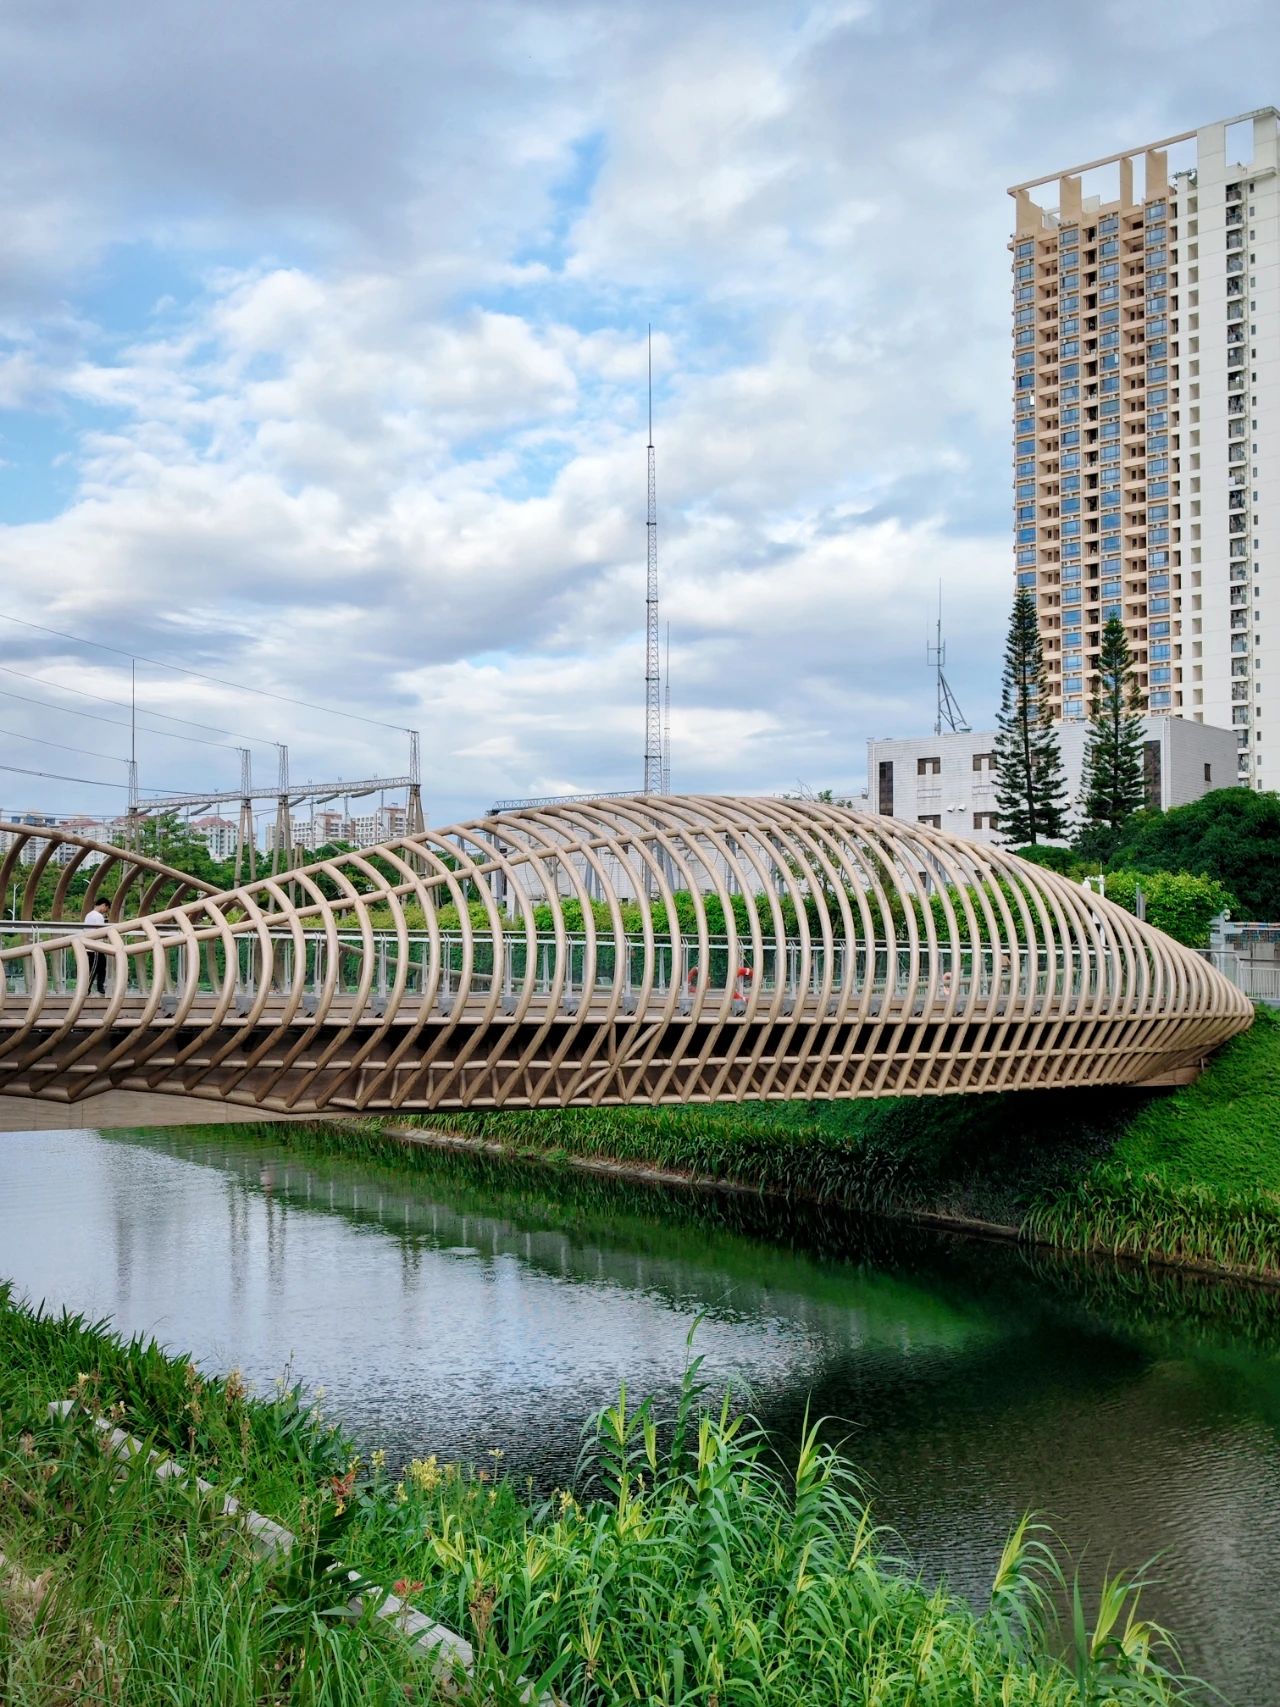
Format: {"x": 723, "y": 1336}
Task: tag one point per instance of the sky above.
{"x": 323, "y": 368}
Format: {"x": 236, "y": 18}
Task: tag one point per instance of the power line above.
{"x": 123, "y": 705}
{"x": 116, "y": 722}
{"x": 86, "y": 781}
{"x": 83, "y": 752}
{"x": 199, "y": 675}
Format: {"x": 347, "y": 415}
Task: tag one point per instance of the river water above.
{"x": 474, "y": 1305}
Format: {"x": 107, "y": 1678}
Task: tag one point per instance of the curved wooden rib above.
{"x": 132, "y": 883}
{"x": 883, "y": 959}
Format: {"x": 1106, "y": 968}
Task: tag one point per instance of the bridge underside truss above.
{"x": 649, "y": 950}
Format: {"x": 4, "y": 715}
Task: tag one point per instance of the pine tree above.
{"x": 1113, "y": 787}
{"x": 1030, "y": 788}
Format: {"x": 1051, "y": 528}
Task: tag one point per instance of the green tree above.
{"x": 1231, "y": 834}
{"x": 1030, "y": 790}
{"x": 171, "y": 840}
{"x": 1180, "y": 903}
{"x": 1113, "y": 788}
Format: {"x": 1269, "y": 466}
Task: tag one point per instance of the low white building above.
{"x": 949, "y": 780}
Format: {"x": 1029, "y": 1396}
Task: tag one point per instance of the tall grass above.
{"x": 1128, "y": 1214}
{"x": 700, "y": 1571}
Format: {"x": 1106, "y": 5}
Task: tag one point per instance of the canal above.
{"x": 470, "y": 1305}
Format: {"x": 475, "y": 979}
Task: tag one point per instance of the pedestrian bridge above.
{"x": 658, "y": 949}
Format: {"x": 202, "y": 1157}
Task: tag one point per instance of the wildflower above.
{"x": 402, "y": 1586}
{"x": 342, "y": 1486}
{"x": 401, "y": 1493}
{"x": 482, "y": 1475}
{"x": 378, "y": 1459}
{"x": 496, "y": 1452}
{"x": 424, "y": 1474}
{"x": 235, "y": 1387}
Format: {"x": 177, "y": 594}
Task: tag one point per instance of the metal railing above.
{"x": 1259, "y": 979}
{"x": 569, "y": 972}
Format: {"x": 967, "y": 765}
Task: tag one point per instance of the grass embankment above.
{"x": 699, "y": 1574}
{"x": 1189, "y": 1176}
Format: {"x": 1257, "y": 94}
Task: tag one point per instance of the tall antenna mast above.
{"x": 666, "y": 717}
{"x": 134, "y": 826}
{"x": 949, "y": 712}
{"x": 652, "y": 672}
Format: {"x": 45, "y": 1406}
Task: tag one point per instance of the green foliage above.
{"x": 1177, "y": 902}
{"x": 1030, "y": 788}
{"x": 1142, "y": 1215}
{"x": 1113, "y": 788}
{"x": 696, "y": 1570}
{"x": 1194, "y": 1177}
{"x": 1223, "y": 1131}
{"x": 1231, "y": 834}
{"x": 170, "y": 839}
{"x": 1053, "y": 857}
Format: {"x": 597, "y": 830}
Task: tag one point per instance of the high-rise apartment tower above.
{"x": 1146, "y": 335}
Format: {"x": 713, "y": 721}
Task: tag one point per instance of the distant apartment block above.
{"x": 93, "y": 829}
{"x": 220, "y": 835}
{"x": 949, "y": 781}
{"x": 361, "y": 830}
{"x": 1146, "y": 337}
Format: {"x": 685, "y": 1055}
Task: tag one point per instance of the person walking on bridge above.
{"x": 94, "y": 919}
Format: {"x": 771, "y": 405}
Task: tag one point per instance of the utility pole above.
{"x": 652, "y": 671}
{"x": 282, "y": 852}
{"x": 414, "y": 819}
{"x": 245, "y": 848}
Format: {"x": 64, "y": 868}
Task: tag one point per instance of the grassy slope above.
{"x": 1224, "y": 1130}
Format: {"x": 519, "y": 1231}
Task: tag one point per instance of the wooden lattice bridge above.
{"x": 656, "y": 949}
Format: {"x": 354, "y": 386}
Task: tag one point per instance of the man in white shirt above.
{"x": 94, "y": 919}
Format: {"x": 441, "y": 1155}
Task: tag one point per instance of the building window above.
{"x": 1208, "y": 773}
{"x": 886, "y": 787}
{"x": 933, "y": 819}
{"x": 984, "y": 761}
{"x": 986, "y": 821}
{"x": 1151, "y": 770}
{"x": 929, "y": 767}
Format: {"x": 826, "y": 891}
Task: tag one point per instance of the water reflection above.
{"x": 475, "y": 1305}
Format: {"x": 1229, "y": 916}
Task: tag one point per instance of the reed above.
{"x": 1128, "y": 1214}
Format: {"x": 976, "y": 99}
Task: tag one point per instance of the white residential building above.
{"x": 1146, "y": 335}
{"x": 949, "y": 781}
{"x": 220, "y": 834}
